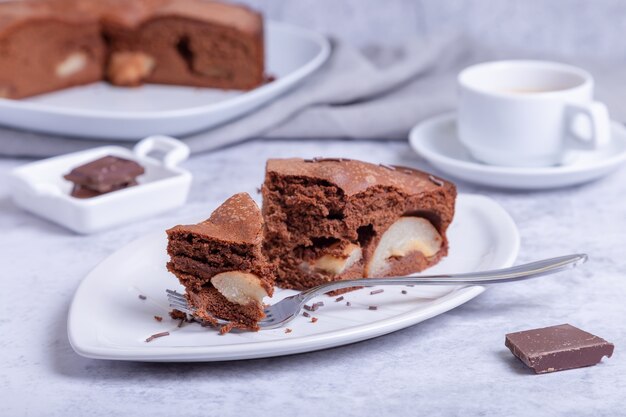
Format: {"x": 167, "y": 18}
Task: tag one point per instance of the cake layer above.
{"x": 187, "y": 244}
{"x": 198, "y": 274}
{"x": 210, "y": 304}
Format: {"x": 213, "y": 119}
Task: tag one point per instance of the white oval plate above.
{"x": 436, "y": 140}
{"x": 101, "y": 110}
{"x": 107, "y": 320}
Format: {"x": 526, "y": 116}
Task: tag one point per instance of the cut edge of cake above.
{"x": 221, "y": 265}
{"x": 333, "y": 218}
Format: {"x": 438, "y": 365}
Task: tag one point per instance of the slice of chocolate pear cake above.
{"x": 221, "y": 265}
{"x": 332, "y": 219}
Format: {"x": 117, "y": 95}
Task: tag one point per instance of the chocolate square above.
{"x": 557, "y": 348}
{"x": 105, "y": 174}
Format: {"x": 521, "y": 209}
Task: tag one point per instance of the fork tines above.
{"x": 178, "y": 301}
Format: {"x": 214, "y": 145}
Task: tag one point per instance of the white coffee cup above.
{"x": 528, "y": 113}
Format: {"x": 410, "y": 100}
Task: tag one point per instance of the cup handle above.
{"x": 174, "y": 150}
{"x": 599, "y": 121}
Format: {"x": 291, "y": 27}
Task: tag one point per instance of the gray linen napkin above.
{"x": 373, "y": 94}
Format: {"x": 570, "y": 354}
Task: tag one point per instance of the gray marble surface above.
{"x": 454, "y": 364}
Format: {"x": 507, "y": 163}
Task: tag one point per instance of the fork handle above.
{"x": 497, "y": 276}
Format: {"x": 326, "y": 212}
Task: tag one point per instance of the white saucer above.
{"x": 101, "y": 110}
{"x": 436, "y": 140}
{"x": 107, "y": 320}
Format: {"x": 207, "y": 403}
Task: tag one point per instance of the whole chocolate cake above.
{"x": 49, "y": 45}
{"x": 333, "y": 219}
{"x": 221, "y": 264}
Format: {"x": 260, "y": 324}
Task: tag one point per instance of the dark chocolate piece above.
{"x": 557, "y": 348}
{"x": 313, "y": 319}
{"x": 339, "y": 299}
{"x": 142, "y": 297}
{"x": 80, "y": 191}
{"x": 105, "y": 174}
{"x": 376, "y": 291}
{"x": 372, "y": 308}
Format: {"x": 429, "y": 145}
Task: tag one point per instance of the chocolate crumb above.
{"x": 309, "y": 308}
{"x": 376, "y": 292}
{"x": 158, "y": 318}
{"x": 313, "y": 319}
{"x": 348, "y": 303}
{"x": 177, "y": 314}
{"x": 288, "y": 330}
{"x": 305, "y": 314}
{"x": 142, "y": 297}
{"x": 403, "y": 291}
{"x": 156, "y": 336}
{"x": 435, "y": 181}
{"x": 338, "y": 299}
{"x": 226, "y": 328}
{"x": 372, "y": 308}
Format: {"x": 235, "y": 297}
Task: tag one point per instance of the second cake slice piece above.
{"x": 334, "y": 219}
{"x": 221, "y": 265}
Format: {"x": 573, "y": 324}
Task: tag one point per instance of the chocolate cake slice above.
{"x": 44, "y": 48}
{"x": 333, "y": 219}
{"x": 185, "y": 42}
{"x": 48, "y": 45}
{"x": 221, "y": 264}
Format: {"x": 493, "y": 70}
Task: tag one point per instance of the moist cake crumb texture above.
{"x": 331, "y": 219}
{"x": 229, "y": 241}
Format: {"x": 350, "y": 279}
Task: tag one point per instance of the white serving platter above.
{"x": 101, "y": 110}
{"x": 107, "y": 320}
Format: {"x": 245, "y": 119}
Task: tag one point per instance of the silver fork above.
{"x": 288, "y": 308}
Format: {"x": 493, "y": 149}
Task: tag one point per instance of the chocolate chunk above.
{"x": 80, "y": 191}
{"x": 105, "y": 174}
{"x": 557, "y": 348}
